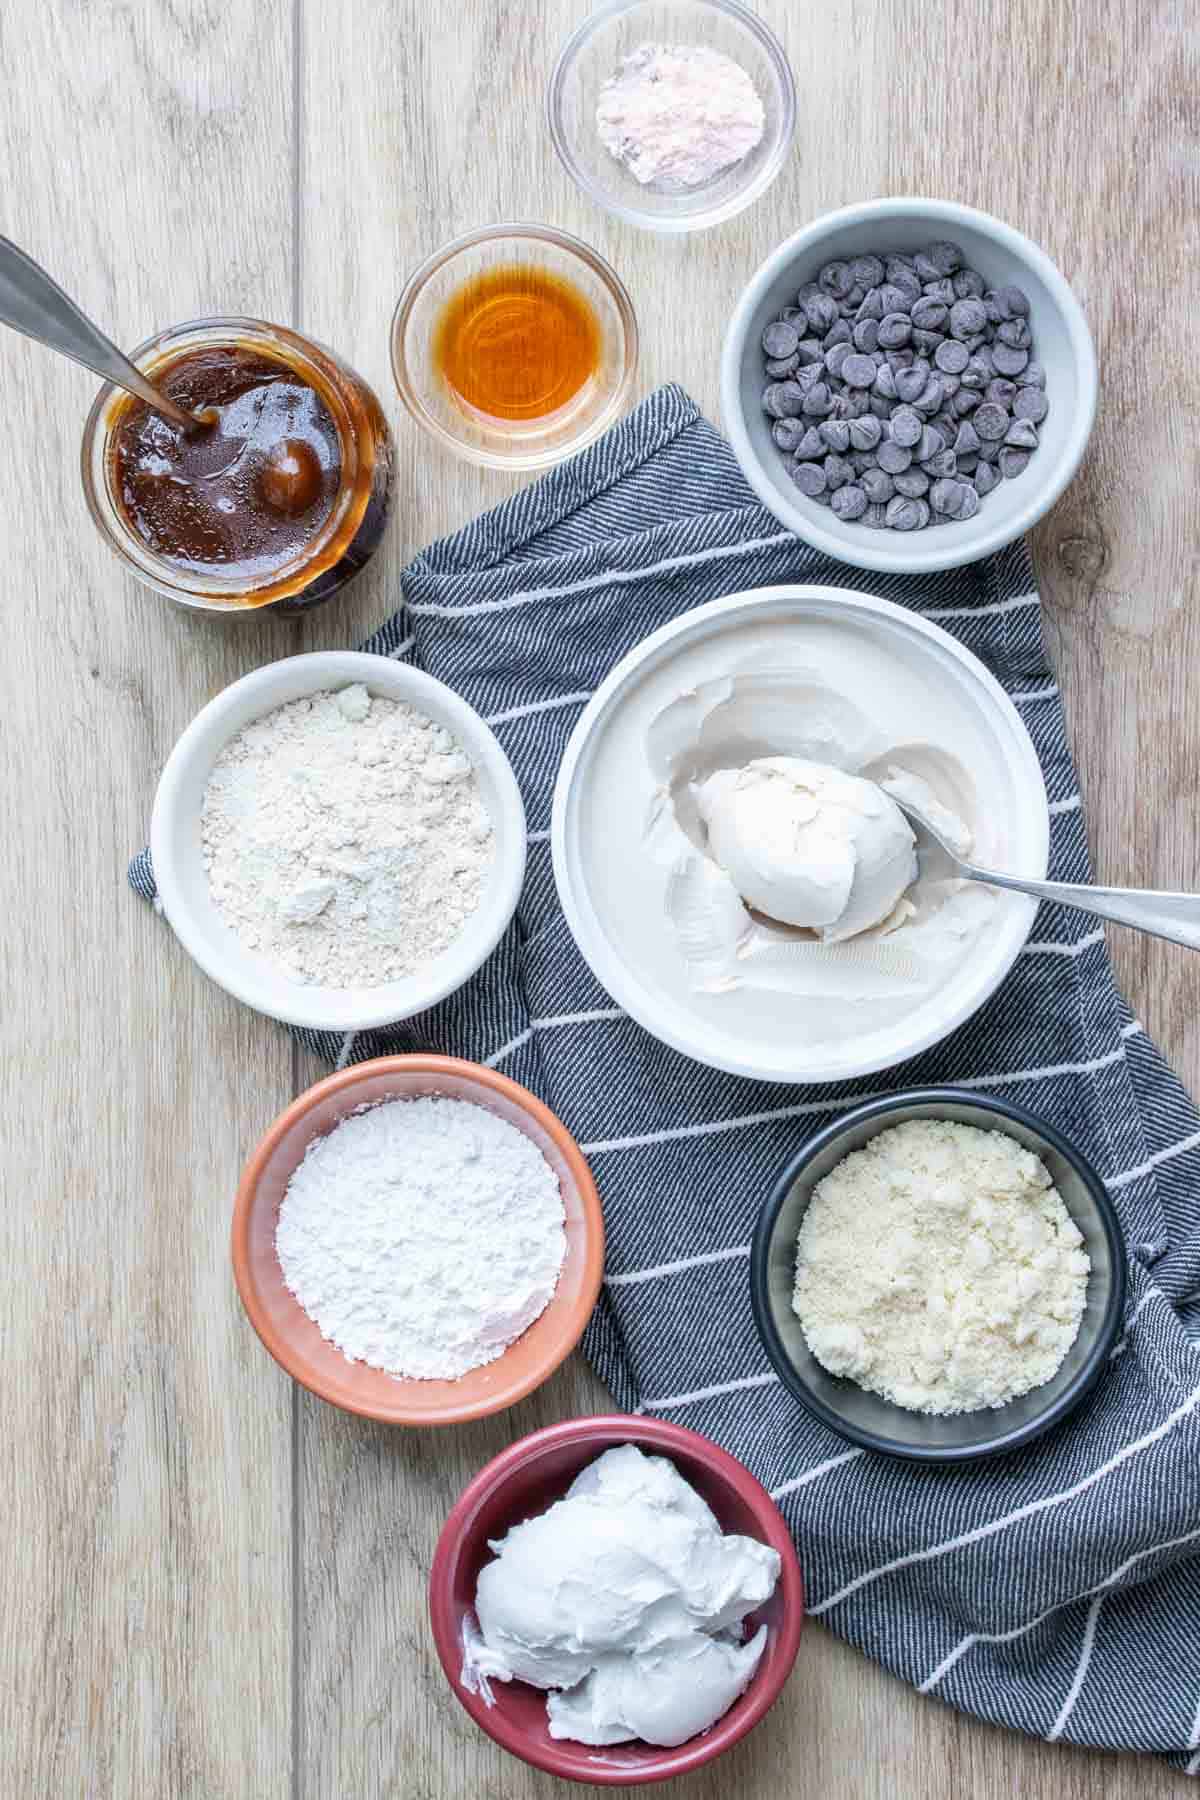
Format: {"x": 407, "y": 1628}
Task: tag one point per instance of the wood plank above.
{"x": 145, "y": 1485}
{"x": 430, "y": 122}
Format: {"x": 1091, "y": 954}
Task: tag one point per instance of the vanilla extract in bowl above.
{"x": 517, "y": 343}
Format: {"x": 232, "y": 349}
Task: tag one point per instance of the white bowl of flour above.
{"x": 338, "y": 840}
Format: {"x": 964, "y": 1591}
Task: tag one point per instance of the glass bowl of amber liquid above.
{"x": 278, "y": 498}
{"x": 514, "y": 346}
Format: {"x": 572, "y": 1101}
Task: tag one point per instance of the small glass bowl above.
{"x": 342, "y": 546}
{"x": 510, "y": 443}
{"x": 595, "y": 52}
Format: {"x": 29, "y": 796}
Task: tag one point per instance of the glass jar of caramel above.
{"x": 279, "y": 496}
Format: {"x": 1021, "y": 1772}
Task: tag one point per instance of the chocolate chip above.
{"x": 1015, "y": 302}
{"x": 893, "y": 457}
{"x": 1022, "y": 435}
{"x": 929, "y": 400}
{"x": 780, "y": 339}
{"x": 930, "y": 315}
{"x": 985, "y": 478}
{"x": 783, "y": 399}
{"x": 968, "y": 284}
{"x": 865, "y": 433}
{"x": 942, "y": 466}
{"x": 837, "y": 471}
{"x": 912, "y": 483}
{"x": 876, "y": 517}
{"x": 812, "y": 444}
{"x": 779, "y": 368}
{"x": 858, "y": 371}
{"x": 946, "y": 496}
{"x": 877, "y": 485}
{"x": 991, "y": 420}
{"x": 869, "y": 270}
{"x": 907, "y": 515}
{"x": 1031, "y": 404}
{"x": 951, "y": 356}
{"x": 838, "y": 333}
{"x": 1032, "y": 375}
{"x": 836, "y": 278}
{"x": 906, "y": 427}
{"x": 967, "y": 439}
{"x": 836, "y": 357}
{"x": 787, "y": 433}
{"x": 965, "y": 401}
{"x": 945, "y": 256}
{"x": 1015, "y": 332}
{"x": 809, "y": 477}
{"x": 885, "y": 382}
{"x": 895, "y": 329}
{"x": 872, "y": 305}
{"x": 818, "y": 402}
{"x": 931, "y": 442}
{"x": 835, "y": 434}
{"x": 810, "y": 352}
{"x": 1000, "y": 392}
{"x": 821, "y": 312}
{"x": 1008, "y": 360}
{"x": 850, "y": 502}
{"x": 866, "y": 336}
{"x": 1013, "y": 463}
{"x": 966, "y": 318}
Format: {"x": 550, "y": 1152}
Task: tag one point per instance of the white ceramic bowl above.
{"x": 1062, "y": 343}
{"x": 594, "y": 52}
{"x": 602, "y": 870}
{"x": 183, "y": 884}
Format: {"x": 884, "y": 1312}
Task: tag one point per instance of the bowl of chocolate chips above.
{"x": 908, "y": 384}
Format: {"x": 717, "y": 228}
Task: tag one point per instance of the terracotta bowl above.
{"x": 527, "y": 1478}
{"x": 292, "y": 1337}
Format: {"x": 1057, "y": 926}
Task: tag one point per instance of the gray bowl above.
{"x": 867, "y": 1418}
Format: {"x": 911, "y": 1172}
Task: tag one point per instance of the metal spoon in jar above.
{"x": 1172, "y": 916}
{"x": 34, "y": 304}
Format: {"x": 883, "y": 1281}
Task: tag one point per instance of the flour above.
{"x": 422, "y": 1236}
{"x": 677, "y": 114}
{"x": 939, "y": 1267}
{"x": 345, "y": 838}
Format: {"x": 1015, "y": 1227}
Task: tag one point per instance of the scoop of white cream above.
{"x": 618, "y": 1593}
{"x": 808, "y": 844}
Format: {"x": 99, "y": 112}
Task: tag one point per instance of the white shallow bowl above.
{"x": 1061, "y": 342}
{"x": 183, "y": 884}
{"x": 594, "y": 52}
{"x": 597, "y": 876}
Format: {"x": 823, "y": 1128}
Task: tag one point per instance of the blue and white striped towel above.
{"x": 1058, "y": 1589}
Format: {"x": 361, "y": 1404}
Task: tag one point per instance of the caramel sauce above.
{"x": 243, "y": 493}
{"x": 517, "y": 343}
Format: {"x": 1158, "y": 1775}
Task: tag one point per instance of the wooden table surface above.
{"x": 213, "y": 1585}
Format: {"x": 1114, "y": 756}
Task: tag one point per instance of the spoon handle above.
{"x": 34, "y": 304}
{"x": 1172, "y": 916}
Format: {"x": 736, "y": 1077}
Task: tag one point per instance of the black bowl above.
{"x": 867, "y": 1418}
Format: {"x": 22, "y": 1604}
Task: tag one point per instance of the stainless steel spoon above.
{"x": 1172, "y": 916}
{"x": 34, "y": 304}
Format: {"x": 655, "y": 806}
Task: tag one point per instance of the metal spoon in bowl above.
{"x": 1172, "y": 916}
{"x": 34, "y": 304}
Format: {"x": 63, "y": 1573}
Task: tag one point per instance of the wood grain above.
{"x": 145, "y": 1479}
{"x": 218, "y": 1583}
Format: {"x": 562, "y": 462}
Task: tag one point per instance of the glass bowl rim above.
{"x": 668, "y": 223}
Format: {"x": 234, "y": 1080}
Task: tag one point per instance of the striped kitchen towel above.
{"x": 1057, "y": 1589}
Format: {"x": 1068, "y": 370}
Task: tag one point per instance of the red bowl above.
{"x": 527, "y": 1478}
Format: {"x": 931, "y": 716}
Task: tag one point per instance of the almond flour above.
{"x": 939, "y": 1267}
